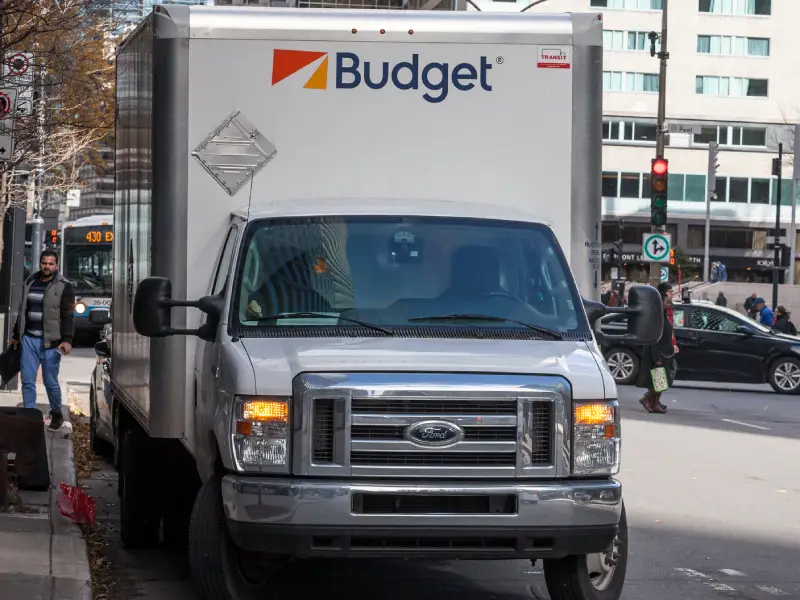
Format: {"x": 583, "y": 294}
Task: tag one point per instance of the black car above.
{"x": 716, "y": 344}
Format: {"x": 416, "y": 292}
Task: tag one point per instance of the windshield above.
{"x": 88, "y": 268}
{"x": 404, "y": 272}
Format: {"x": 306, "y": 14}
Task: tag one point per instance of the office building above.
{"x": 730, "y": 76}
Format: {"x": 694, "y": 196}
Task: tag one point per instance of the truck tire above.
{"x": 590, "y": 577}
{"x": 139, "y": 500}
{"x": 214, "y": 559}
{"x": 98, "y": 445}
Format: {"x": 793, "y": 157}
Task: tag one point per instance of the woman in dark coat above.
{"x": 660, "y": 354}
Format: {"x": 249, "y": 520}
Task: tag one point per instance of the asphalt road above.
{"x": 712, "y": 491}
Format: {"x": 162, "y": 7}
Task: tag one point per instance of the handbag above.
{"x": 659, "y": 378}
{"x": 10, "y": 363}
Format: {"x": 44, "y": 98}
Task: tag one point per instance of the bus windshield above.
{"x": 87, "y": 259}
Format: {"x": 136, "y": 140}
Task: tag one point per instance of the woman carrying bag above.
{"x": 658, "y": 367}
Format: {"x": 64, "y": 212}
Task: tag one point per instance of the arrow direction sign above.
{"x": 6, "y": 147}
{"x": 656, "y": 247}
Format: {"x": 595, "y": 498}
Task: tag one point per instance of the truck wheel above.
{"x": 590, "y": 577}
{"x": 178, "y": 500}
{"x": 784, "y": 375}
{"x": 220, "y": 570}
{"x": 139, "y": 501}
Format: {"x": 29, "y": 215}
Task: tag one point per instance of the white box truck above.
{"x": 354, "y": 293}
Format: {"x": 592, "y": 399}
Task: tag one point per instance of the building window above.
{"x": 786, "y": 192}
{"x": 617, "y": 39}
{"x": 736, "y": 7}
{"x": 630, "y": 131}
{"x": 738, "y": 189}
{"x": 695, "y": 188}
{"x": 616, "y": 81}
{"x": 627, "y": 4}
{"x": 724, "y": 135}
{"x": 731, "y": 86}
{"x": 759, "y": 191}
{"x": 726, "y": 45}
{"x": 630, "y": 186}
{"x": 610, "y": 184}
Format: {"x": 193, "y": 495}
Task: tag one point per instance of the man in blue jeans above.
{"x": 46, "y": 324}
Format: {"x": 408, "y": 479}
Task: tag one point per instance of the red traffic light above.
{"x": 660, "y": 166}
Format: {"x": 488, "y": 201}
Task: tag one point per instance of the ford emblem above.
{"x": 434, "y": 433}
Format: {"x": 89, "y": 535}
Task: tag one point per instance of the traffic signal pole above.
{"x": 777, "y": 170}
{"x": 711, "y": 194}
{"x": 663, "y": 55}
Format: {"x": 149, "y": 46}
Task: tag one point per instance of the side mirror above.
{"x": 645, "y": 313}
{"x": 99, "y": 317}
{"x": 101, "y": 349}
{"x": 594, "y": 310}
{"x": 152, "y": 310}
{"x": 744, "y": 330}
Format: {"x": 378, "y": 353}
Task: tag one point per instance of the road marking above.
{"x": 693, "y": 573}
{"x": 721, "y": 587}
{"x": 771, "y": 590}
{"x": 746, "y": 424}
{"x": 732, "y": 572}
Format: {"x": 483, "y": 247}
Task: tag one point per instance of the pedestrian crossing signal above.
{"x": 672, "y": 256}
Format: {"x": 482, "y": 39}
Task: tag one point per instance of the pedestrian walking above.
{"x": 749, "y": 305}
{"x": 661, "y": 354}
{"x": 722, "y": 300}
{"x": 783, "y": 322}
{"x": 45, "y": 328}
{"x": 764, "y": 314}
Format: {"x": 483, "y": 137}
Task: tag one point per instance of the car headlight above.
{"x": 80, "y": 308}
{"x": 596, "y": 438}
{"x": 261, "y": 433}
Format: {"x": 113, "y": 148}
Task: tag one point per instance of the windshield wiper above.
{"x": 479, "y": 317}
{"x": 319, "y": 315}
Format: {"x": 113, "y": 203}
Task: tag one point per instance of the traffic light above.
{"x": 659, "y": 174}
{"x": 713, "y": 165}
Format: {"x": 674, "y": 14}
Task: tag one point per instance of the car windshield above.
{"x": 405, "y": 272}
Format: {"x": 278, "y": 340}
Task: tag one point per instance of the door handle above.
{"x": 215, "y": 371}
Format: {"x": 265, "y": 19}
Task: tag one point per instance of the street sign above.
{"x": 664, "y": 274}
{"x": 6, "y": 147}
{"x": 614, "y": 273}
{"x": 18, "y": 71}
{"x": 73, "y": 198}
{"x": 6, "y": 105}
{"x": 656, "y": 247}
{"x": 684, "y": 128}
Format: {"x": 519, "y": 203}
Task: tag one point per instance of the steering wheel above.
{"x": 506, "y": 295}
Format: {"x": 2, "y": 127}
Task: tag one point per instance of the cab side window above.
{"x": 678, "y": 318}
{"x": 224, "y": 265}
{"x": 712, "y": 320}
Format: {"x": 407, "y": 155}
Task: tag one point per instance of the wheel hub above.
{"x": 620, "y": 365}
{"x": 602, "y": 565}
{"x": 787, "y": 376}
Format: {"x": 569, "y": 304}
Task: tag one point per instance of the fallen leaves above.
{"x": 105, "y": 584}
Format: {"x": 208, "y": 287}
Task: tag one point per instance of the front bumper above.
{"x": 326, "y": 518}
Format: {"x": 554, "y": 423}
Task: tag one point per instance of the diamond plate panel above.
{"x": 234, "y": 153}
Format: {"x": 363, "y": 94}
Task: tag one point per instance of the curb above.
{"x": 69, "y": 561}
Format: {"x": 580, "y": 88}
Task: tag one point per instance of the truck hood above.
{"x": 277, "y": 361}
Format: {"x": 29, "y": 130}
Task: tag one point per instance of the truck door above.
{"x": 207, "y": 355}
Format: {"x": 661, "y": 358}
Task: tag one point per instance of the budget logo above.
{"x": 436, "y": 79}
{"x": 286, "y": 63}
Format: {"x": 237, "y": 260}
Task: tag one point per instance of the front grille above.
{"x": 430, "y": 504}
{"x": 323, "y": 431}
{"x": 437, "y": 426}
{"x": 425, "y": 406}
{"x": 382, "y": 432}
{"x": 434, "y": 459}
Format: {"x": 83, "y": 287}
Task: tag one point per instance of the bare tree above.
{"x": 72, "y": 42}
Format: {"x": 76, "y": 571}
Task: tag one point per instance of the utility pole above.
{"x": 795, "y": 190}
{"x": 711, "y": 194}
{"x": 777, "y": 170}
{"x": 37, "y": 221}
{"x": 663, "y": 55}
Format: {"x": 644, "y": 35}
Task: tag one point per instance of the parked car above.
{"x": 100, "y": 397}
{"x": 716, "y": 344}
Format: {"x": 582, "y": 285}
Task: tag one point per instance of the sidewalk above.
{"x": 43, "y": 554}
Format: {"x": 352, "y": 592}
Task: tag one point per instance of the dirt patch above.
{"x": 105, "y": 584}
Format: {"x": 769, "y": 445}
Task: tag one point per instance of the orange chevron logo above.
{"x": 286, "y": 63}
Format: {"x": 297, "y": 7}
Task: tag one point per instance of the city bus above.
{"x": 86, "y": 261}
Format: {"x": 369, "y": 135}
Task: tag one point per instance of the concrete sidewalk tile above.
{"x": 17, "y": 586}
{"x": 24, "y": 546}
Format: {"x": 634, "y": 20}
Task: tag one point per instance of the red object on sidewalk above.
{"x": 75, "y": 504}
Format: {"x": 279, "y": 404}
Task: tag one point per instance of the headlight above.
{"x": 596, "y": 435}
{"x": 80, "y": 308}
{"x": 261, "y": 433}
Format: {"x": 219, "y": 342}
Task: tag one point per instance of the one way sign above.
{"x": 6, "y": 147}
